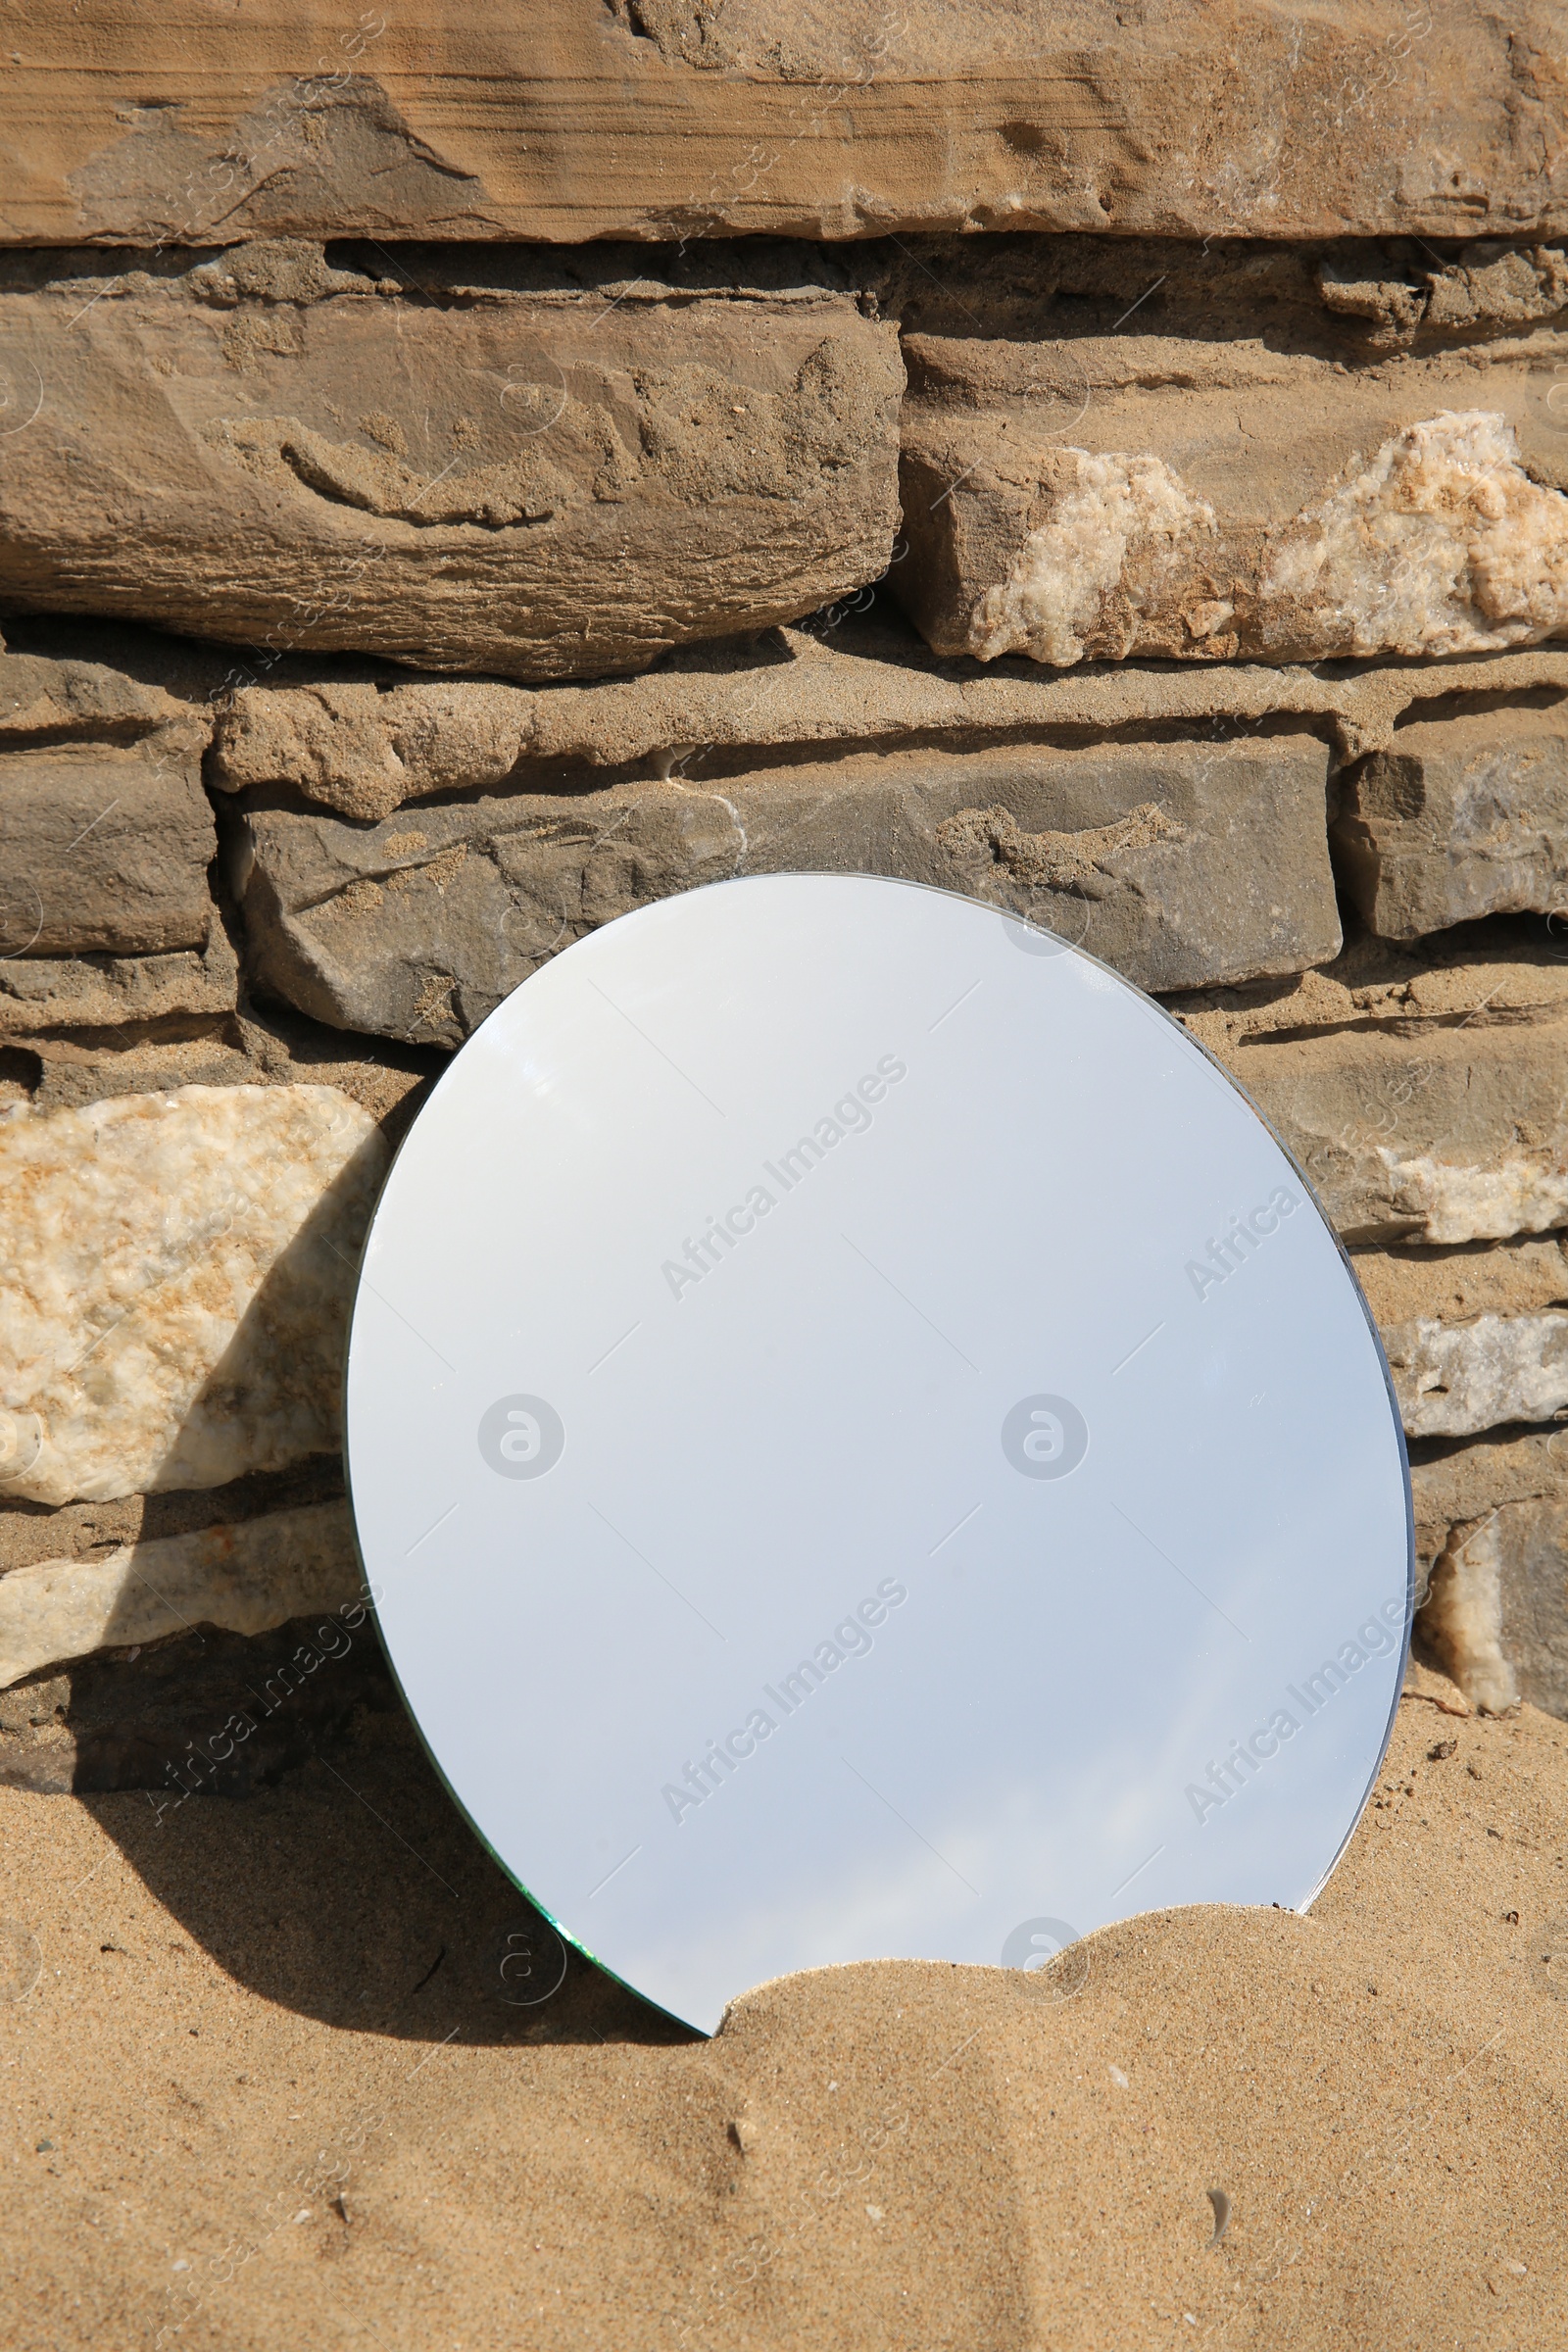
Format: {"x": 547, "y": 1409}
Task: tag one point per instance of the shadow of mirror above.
{"x": 217, "y": 1694}
{"x": 352, "y": 1890}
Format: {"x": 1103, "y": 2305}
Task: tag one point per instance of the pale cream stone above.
{"x": 1463, "y": 1620}
{"x": 1459, "y": 1202}
{"x": 175, "y": 1274}
{"x": 1442, "y": 545}
{"x": 1124, "y": 522}
{"x": 244, "y": 1578}
{"x": 1453, "y": 1379}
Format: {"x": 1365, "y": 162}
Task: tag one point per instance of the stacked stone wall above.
{"x": 409, "y": 564}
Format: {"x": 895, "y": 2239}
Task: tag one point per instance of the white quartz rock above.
{"x": 1112, "y": 514}
{"x": 1458, "y": 1202}
{"x": 175, "y": 1275}
{"x": 1456, "y": 1379}
{"x": 1453, "y": 1379}
{"x": 246, "y": 1579}
{"x": 1442, "y": 545}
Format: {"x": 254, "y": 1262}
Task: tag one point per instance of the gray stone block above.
{"x": 1461, "y": 1136}
{"x": 106, "y": 852}
{"x": 1476, "y": 1337}
{"x": 1461, "y": 816}
{"x": 1423, "y": 1098}
{"x": 1177, "y": 863}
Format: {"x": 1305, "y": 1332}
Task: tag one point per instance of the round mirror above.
{"x": 866, "y": 1448}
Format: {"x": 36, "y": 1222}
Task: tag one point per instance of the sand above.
{"x": 263, "y": 2092}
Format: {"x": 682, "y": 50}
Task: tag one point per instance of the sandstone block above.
{"x": 107, "y": 836}
{"x": 366, "y": 746}
{"x": 1414, "y": 1283}
{"x": 44, "y": 699}
{"x": 1463, "y": 1136}
{"x": 105, "y": 850}
{"x": 176, "y": 1275}
{"x": 1425, "y": 1103}
{"x": 1199, "y": 495}
{"x": 1460, "y": 817}
{"x": 41, "y": 995}
{"x": 541, "y": 485}
{"x": 672, "y": 118}
{"x": 245, "y": 1579}
{"x": 1458, "y": 1483}
{"x": 1492, "y": 1522}
{"x": 1174, "y": 861}
{"x": 1476, "y": 1337}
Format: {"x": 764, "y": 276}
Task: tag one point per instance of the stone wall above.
{"x": 400, "y": 577}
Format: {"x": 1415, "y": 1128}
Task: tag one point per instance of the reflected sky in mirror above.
{"x": 864, "y": 1442}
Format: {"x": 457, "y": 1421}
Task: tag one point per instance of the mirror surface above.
{"x": 866, "y": 1448}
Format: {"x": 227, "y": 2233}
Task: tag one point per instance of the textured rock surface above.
{"x": 546, "y": 485}
{"x": 1498, "y": 1609}
{"x": 366, "y": 746}
{"x": 1424, "y": 1102}
{"x": 177, "y": 1276}
{"x": 1457, "y": 1484}
{"x": 664, "y": 118}
{"x": 1492, "y": 1529}
{"x": 1414, "y": 1283}
{"x": 44, "y": 994}
{"x": 1465, "y": 1139}
{"x": 1476, "y": 1337}
{"x": 1199, "y": 495}
{"x": 1461, "y": 816}
{"x": 106, "y": 836}
{"x": 1178, "y": 862}
{"x": 44, "y": 699}
{"x": 104, "y": 850}
{"x": 1454, "y": 1380}
{"x": 245, "y": 1579}
{"x": 203, "y": 1712}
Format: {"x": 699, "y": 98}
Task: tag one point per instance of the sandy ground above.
{"x": 264, "y": 2091}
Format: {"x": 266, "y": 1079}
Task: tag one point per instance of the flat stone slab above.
{"x": 366, "y": 746}
{"x": 106, "y": 914}
{"x": 1453, "y": 1382}
{"x": 293, "y": 457}
{"x": 1476, "y": 1338}
{"x": 246, "y": 1578}
{"x": 1461, "y": 816}
{"x": 176, "y": 1275}
{"x": 1424, "y": 1102}
{"x": 106, "y": 850}
{"x": 1178, "y": 862}
{"x": 671, "y": 118}
{"x": 1203, "y": 489}
{"x": 1463, "y": 1138}
{"x": 43, "y": 996}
